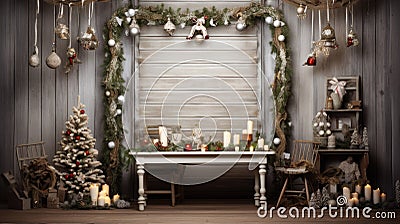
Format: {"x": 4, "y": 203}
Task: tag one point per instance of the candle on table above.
{"x": 260, "y": 143}
{"x": 236, "y": 148}
{"x": 249, "y": 127}
{"x": 227, "y": 138}
{"x": 94, "y": 193}
{"x": 236, "y": 139}
{"x": 346, "y": 193}
{"x": 106, "y": 189}
{"x": 376, "y": 196}
{"x": 115, "y": 198}
{"x": 358, "y": 189}
{"x": 162, "y": 132}
{"x": 244, "y": 135}
{"x": 266, "y": 147}
{"x": 251, "y": 148}
{"x": 367, "y": 192}
{"x": 383, "y": 197}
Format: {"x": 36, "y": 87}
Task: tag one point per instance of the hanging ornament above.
{"x": 134, "y": 28}
{"x": 328, "y": 37}
{"x": 212, "y": 23}
{"x": 277, "y": 23}
{"x": 61, "y": 30}
{"x": 269, "y": 20}
{"x": 53, "y": 60}
{"x": 89, "y": 41}
{"x": 352, "y": 39}
{"x": 119, "y": 20}
{"x": 169, "y": 27}
{"x": 311, "y": 60}
{"x": 111, "y": 42}
{"x": 198, "y": 29}
{"x": 111, "y": 145}
{"x": 302, "y": 11}
{"x": 34, "y": 59}
{"x": 72, "y": 59}
{"x": 240, "y": 24}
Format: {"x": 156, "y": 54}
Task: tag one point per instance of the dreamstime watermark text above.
{"x": 331, "y": 211}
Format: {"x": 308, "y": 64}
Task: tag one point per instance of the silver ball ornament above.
{"x": 111, "y": 145}
{"x": 131, "y": 12}
{"x": 240, "y": 26}
{"x": 111, "y": 42}
{"x": 269, "y": 20}
{"x": 108, "y": 93}
{"x": 277, "y": 141}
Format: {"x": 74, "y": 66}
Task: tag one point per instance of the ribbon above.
{"x": 338, "y": 87}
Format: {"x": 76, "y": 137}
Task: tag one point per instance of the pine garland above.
{"x": 158, "y": 15}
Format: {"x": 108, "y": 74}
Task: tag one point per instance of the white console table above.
{"x": 257, "y": 159}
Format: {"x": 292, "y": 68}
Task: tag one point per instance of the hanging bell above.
{"x": 53, "y": 60}
{"x": 134, "y": 28}
{"x": 34, "y": 59}
{"x": 89, "y": 40}
{"x": 328, "y": 36}
{"x": 62, "y": 31}
{"x": 311, "y": 60}
{"x": 169, "y": 27}
{"x": 302, "y": 11}
{"x": 352, "y": 39}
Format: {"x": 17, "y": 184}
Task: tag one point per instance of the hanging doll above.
{"x": 198, "y": 29}
{"x": 72, "y": 58}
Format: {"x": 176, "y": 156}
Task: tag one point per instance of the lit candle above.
{"x": 94, "y": 193}
{"x": 376, "y": 196}
{"x": 266, "y": 147}
{"x": 101, "y": 201}
{"x": 107, "y": 200}
{"x": 346, "y": 193}
{"x": 249, "y": 127}
{"x": 260, "y": 143}
{"x": 367, "y": 192}
{"x": 236, "y": 139}
{"x": 356, "y": 201}
{"x": 358, "y": 189}
{"x": 227, "y": 138}
{"x": 115, "y": 198}
{"x": 350, "y": 202}
{"x": 162, "y": 132}
{"x": 383, "y": 197}
{"x": 106, "y": 189}
{"x": 354, "y": 195}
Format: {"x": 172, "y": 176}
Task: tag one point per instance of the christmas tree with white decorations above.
{"x": 76, "y": 161}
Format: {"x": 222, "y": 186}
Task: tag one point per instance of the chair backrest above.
{"x": 305, "y": 150}
{"x": 29, "y": 152}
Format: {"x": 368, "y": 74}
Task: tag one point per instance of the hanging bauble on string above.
{"x": 169, "y": 27}
{"x": 352, "y": 39}
{"x": 302, "y": 11}
{"x": 134, "y": 28}
{"x": 328, "y": 36}
{"x": 199, "y": 31}
{"x": 53, "y": 60}
{"x": 72, "y": 59}
{"x": 34, "y": 59}
{"x": 111, "y": 42}
{"x": 277, "y": 23}
{"x": 269, "y": 20}
{"x": 89, "y": 41}
{"x": 240, "y": 24}
{"x": 311, "y": 60}
{"x": 62, "y": 31}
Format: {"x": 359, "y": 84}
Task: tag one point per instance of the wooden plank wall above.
{"x": 37, "y": 101}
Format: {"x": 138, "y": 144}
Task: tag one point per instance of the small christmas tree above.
{"x": 76, "y": 160}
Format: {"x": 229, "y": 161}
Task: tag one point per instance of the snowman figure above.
{"x": 198, "y": 29}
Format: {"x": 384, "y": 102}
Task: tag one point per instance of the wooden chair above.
{"x": 303, "y": 159}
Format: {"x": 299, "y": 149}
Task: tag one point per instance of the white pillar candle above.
{"x": 383, "y": 197}
{"x": 356, "y": 201}
{"x": 377, "y": 196}
{"x": 115, "y": 198}
{"x": 236, "y": 139}
{"x": 249, "y": 127}
{"x": 107, "y": 200}
{"x": 260, "y": 143}
{"x": 236, "y": 148}
{"x": 106, "y": 189}
{"x": 251, "y": 148}
{"x": 358, "y": 189}
{"x": 266, "y": 147}
{"x": 367, "y": 192}
{"x": 155, "y": 141}
{"x": 227, "y": 138}
{"x": 101, "y": 201}
{"x": 354, "y": 195}
{"x": 346, "y": 193}
{"x": 94, "y": 193}
{"x": 162, "y": 132}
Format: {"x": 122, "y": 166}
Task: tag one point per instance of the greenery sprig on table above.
{"x": 114, "y": 84}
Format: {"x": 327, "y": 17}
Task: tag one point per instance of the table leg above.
{"x": 256, "y": 189}
{"x": 141, "y": 199}
{"x": 262, "y": 171}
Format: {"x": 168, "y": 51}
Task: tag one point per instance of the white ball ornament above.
{"x": 119, "y": 111}
{"x": 111, "y": 42}
{"x": 281, "y": 38}
{"x": 277, "y": 23}
{"x": 111, "y": 145}
{"x": 121, "y": 99}
{"x": 328, "y": 132}
{"x": 131, "y": 12}
{"x": 277, "y": 141}
{"x": 300, "y": 9}
{"x": 134, "y": 31}
{"x": 240, "y": 26}
{"x": 108, "y": 93}
{"x": 269, "y": 20}
{"x": 321, "y": 132}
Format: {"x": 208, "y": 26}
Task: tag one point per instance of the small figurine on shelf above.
{"x": 197, "y": 136}
{"x": 355, "y": 139}
{"x": 350, "y": 170}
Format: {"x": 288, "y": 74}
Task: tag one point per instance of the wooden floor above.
{"x": 185, "y": 213}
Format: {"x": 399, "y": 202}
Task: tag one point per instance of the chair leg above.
{"x": 282, "y": 192}
{"x": 307, "y": 193}
{"x": 172, "y": 194}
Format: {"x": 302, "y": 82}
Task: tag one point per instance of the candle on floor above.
{"x": 346, "y": 193}
{"x": 354, "y": 195}
{"x": 376, "y": 196}
{"x": 106, "y": 189}
{"x": 356, "y": 201}
{"x": 358, "y": 189}
{"x": 101, "y": 201}
{"x": 383, "y": 197}
{"x": 115, "y": 198}
{"x": 107, "y": 201}
{"x": 367, "y": 192}
{"x": 94, "y": 193}
{"x": 350, "y": 202}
